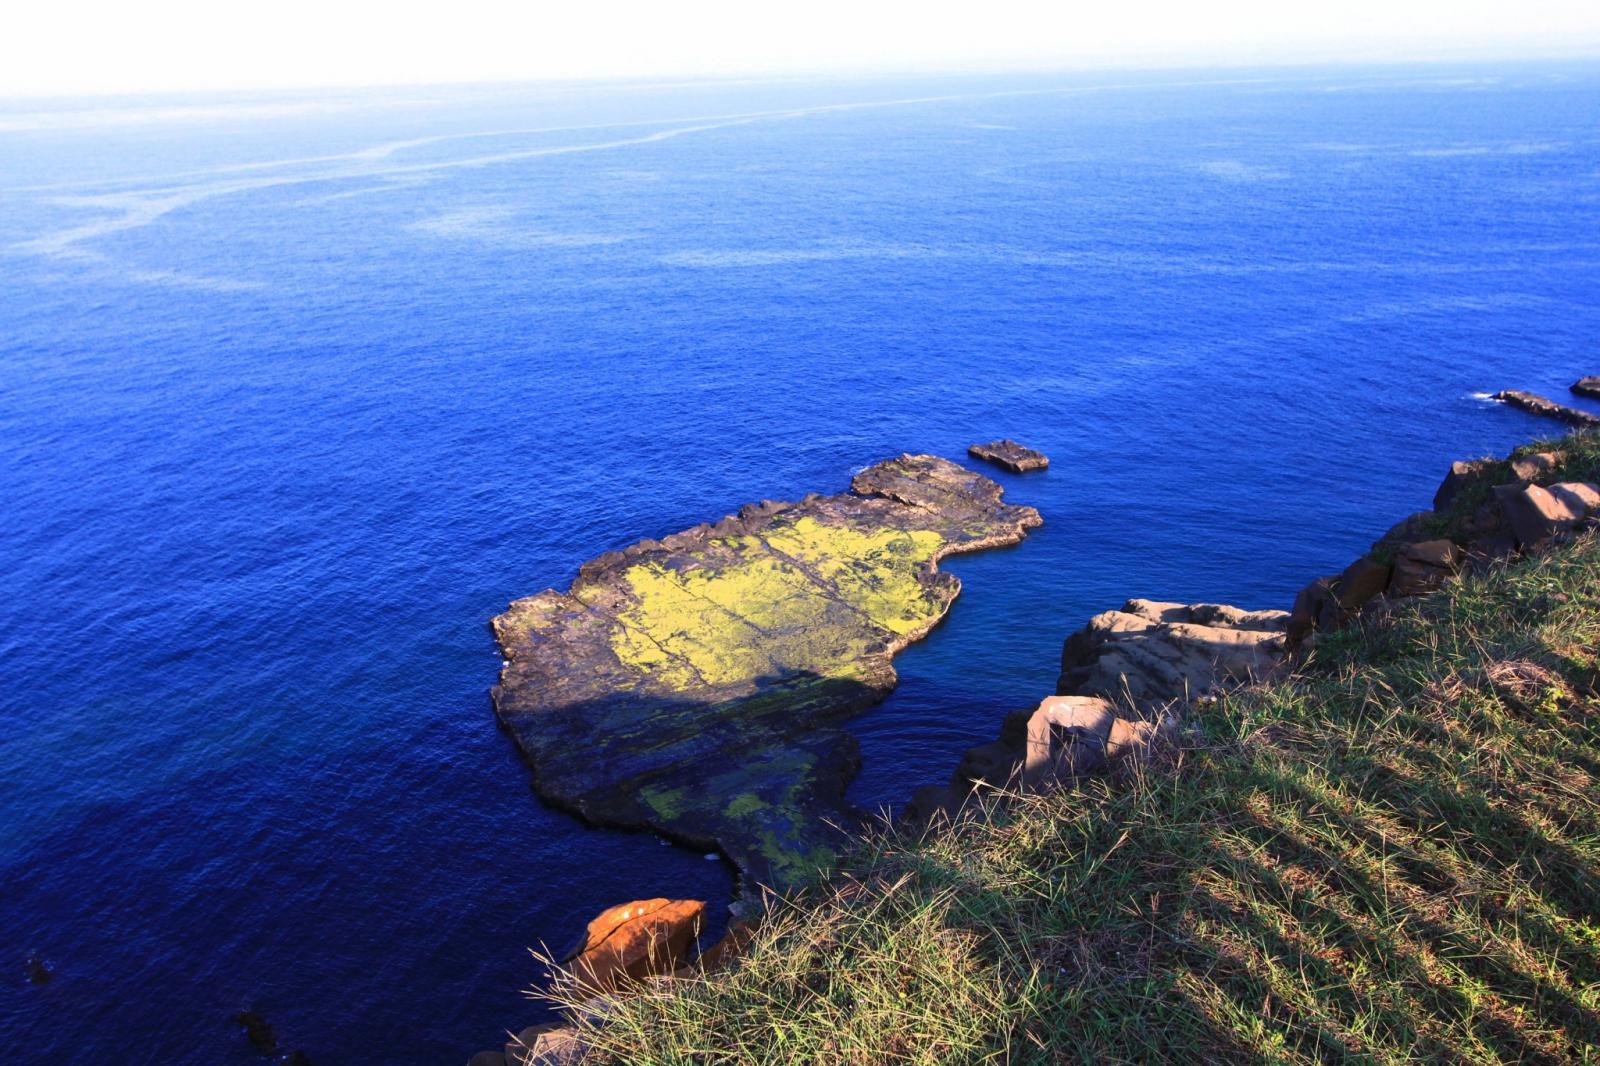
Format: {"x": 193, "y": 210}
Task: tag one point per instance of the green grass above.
{"x": 1393, "y": 856}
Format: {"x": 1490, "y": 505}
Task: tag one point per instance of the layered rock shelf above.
{"x": 1011, "y": 455}
{"x": 1535, "y": 404}
{"x": 695, "y": 685}
{"x": 1587, "y": 386}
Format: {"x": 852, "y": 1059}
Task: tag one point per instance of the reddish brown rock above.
{"x": 1535, "y": 514}
{"x": 1462, "y": 477}
{"x": 1360, "y": 582}
{"x": 1011, "y": 455}
{"x": 1535, "y": 466}
{"x": 634, "y": 941}
{"x": 1422, "y": 567}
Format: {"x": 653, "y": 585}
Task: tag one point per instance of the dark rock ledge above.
{"x": 1011, "y": 455}
{"x": 1535, "y": 404}
{"x": 695, "y": 685}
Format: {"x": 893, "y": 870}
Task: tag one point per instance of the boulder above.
{"x": 636, "y": 940}
{"x": 1152, "y": 654}
{"x": 1535, "y": 466}
{"x": 1067, "y": 737}
{"x": 1423, "y": 566}
{"x": 1011, "y": 455}
{"x": 993, "y": 764}
{"x": 933, "y": 801}
{"x": 1587, "y": 386}
{"x": 1535, "y": 514}
{"x": 1360, "y": 582}
{"x": 1463, "y": 476}
{"x": 1315, "y": 609}
{"x": 544, "y": 1045}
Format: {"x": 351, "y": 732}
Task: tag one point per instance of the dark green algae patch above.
{"x": 695, "y": 685}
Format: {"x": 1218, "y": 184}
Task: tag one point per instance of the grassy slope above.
{"x": 1394, "y": 856}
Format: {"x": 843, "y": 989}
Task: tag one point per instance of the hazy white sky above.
{"x": 109, "y": 46}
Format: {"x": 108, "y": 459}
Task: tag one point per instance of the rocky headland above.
{"x": 695, "y": 685}
{"x": 1127, "y": 677}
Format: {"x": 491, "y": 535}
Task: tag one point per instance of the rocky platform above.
{"x": 1535, "y": 404}
{"x": 695, "y": 685}
{"x": 1008, "y": 453}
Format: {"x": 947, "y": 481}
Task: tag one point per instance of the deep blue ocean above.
{"x": 297, "y": 391}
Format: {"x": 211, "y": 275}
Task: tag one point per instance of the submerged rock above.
{"x": 1538, "y": 405}
{"x": 1011, "y": 455}
{"x": 257, "y": 1030}
{"x": 696, "y": 684}
{"x": 37, "y": 969}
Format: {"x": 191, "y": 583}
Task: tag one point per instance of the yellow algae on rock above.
{"x": 695, "y": 684}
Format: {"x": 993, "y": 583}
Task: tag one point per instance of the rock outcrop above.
{"x": 1151, "y": 654}
{"x": 632, "y": 941}
{"x": 1011, "y": 455}
{"x": 695, "y": 684}
{"x": 1054, "y": 744}
{"x": 1537, "y": 405}
{"x": 1484, "y": 511}
{"x": 1587, "y": 386}
{"x": 1123, "y": 677}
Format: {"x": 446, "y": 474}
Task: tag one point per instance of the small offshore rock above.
{"x": 257, "y": 1030}
{"x": 1587, "y": 386}
{"x": 1015, "y": 457}
{"x": 1535, "y": 404}
{"x": 37, "y": 969}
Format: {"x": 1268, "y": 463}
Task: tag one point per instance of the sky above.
{"x": 72, "y": 47}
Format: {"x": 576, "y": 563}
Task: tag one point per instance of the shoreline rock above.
{"x": 695, "y": 685}
{"x": 1587, "y": 386}
{"x": 1535, "y": 404}
{"x": 1008, "y": 453}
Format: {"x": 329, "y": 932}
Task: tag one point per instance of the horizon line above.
{"x": 1374, "y": 54}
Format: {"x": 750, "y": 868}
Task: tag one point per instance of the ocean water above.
{"x": 296, "y": 392}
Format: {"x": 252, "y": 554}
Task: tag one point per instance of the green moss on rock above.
{"x": 694, "y": 685}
